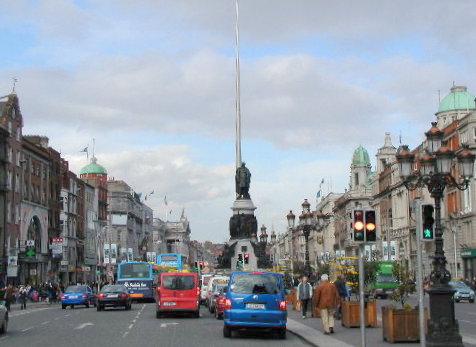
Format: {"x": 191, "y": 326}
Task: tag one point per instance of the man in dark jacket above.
{"x": 304, "y": 294}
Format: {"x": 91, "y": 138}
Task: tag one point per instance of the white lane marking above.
{"x": 164, "y": 325}
{"x": 57, "y": 318}
{"x": 67, "y": 315}
{"x": 130, "y": 326}
{"x": 84, "y": 325}
{"x": 125, "y": 334}
{"x": 134, "y": 320}
{"x": 27, "y": 329}
{"x": 473, "y": 313}
{"x": 45, "y": 322}
{"x": 23, "y": 312}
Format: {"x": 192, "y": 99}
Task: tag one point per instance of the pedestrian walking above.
{"x": 8, "y": 296}
{"x": 23, "y": 294}
{"x": 343, "y": 291}
{"x": 327, "y": 299}
{"x": 304, "y": 294}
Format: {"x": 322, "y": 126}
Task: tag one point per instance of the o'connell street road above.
{"x": 52, "y": 326}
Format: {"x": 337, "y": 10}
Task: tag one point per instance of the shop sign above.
{"x": 12, "y": 271}
{"x": 468, "y": 253}
{"x": 32, "y": 272}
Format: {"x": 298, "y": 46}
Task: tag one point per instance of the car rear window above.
{"x": 73, "y": 289}
{"x": 255, "y": 283}
{"x": 113, "y": 288}
{"x": 178, "y": 282}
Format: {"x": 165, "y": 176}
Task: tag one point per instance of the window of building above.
{"x": 356, "y": 178}
{"x": 18, "y": 134}
{"x": 467, "y": 200}
{"x": 9, "y": 212}
{"x": 474, "y": 133}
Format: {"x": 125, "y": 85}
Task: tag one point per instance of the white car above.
{"x": 3, "y": 318}
{"x": 203, "y": 288}
{"x": 211, "y": 286}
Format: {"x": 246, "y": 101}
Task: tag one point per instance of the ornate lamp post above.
{"x": 434, "y": 172}
{"x": 291, "y": 222}
{"x": 306, "y": 225}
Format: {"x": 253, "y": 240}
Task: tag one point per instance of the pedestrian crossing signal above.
{"x": 428, "y": 222}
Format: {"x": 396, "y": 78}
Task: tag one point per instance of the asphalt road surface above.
{"x": 52, "y": 326}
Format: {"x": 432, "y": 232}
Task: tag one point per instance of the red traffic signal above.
{"x": 358, "y": 225}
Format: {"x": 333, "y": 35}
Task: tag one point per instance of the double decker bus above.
{"x": 139, "y": 277}
{"x": 172, "y": 261}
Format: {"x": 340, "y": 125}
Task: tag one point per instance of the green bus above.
{"x": 385, "y": 283}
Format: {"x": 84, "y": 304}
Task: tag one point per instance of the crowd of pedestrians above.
{"x": 328, "y": 298}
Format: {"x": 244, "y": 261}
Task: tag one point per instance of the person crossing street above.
{"x": 304, "y": 294}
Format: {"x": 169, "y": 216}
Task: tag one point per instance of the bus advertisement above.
{"x": 139, "y": 277}
{"x": 170, "y": 260}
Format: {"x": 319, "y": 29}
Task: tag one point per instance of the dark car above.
{"x": 3, "y": 318}
{"x": 255, "y": 300}
{"x": 113, "y": 295}
{"x": 78, "y": 295}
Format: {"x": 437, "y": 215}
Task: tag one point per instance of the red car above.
{"x": 178, "y": 292}
{"x": 220, "y": 302}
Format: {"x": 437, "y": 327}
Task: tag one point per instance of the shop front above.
{"x": 469, "y": 263}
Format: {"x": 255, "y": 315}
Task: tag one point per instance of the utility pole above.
{"x": 421, "y": 308}
{"x": 362, "y": 295}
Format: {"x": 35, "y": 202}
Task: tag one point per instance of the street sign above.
{"x": 30, "y": 252}
{"x": 12, "y": 260}
{"x": 86, "y": 268}
{"x": 12, "y": 271}
{"x": 30, "y": 243}
{"x": 64, "y": 262}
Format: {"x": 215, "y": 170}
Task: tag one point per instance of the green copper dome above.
{"x": 360, "y": 157}
{"x": 93, "y": 168}
{"x": 457, "y": 99}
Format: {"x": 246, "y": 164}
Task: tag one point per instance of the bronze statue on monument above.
{"x": 242, "y": 182}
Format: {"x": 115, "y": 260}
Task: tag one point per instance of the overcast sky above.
{"x": 153, "y": 82}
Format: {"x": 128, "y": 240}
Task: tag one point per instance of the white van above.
{"x": 203, "y": 287}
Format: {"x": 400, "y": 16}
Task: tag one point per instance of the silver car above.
{"x": 3, "y": 318}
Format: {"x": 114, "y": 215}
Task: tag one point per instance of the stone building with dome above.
{"x": 358, "y": 196}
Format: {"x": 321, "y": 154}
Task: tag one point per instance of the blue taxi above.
{"x": 78, "y": 295}
{"x": 255, "y": 300}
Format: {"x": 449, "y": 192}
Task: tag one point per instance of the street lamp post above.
{"x": 435, "y": 173}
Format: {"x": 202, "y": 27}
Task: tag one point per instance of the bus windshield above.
{"x": 135, "y": 270}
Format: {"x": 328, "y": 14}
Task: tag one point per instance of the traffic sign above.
{"x": 30, "y": 252}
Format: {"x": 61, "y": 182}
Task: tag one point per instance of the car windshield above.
{"x": 386, "y": 278}
{"x": 221, "y": 288}
{"x": 255, "y": 283}
{"x": 458, "y": 284}
{"x": 75, "y": 289}
{"x": 113, "y": 288}
{"x": 178, "y": 282}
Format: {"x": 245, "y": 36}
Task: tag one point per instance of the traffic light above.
{"x": 427, "y": 221}
{"x": 247, "y": 258}
{"x": 370, "y": 226}
{"x": 358, "y": 225}
{"x": 239, "y": 262}
{"x": 200, "y": 264}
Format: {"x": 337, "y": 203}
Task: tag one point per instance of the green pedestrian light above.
{"x": 428, "y": 222}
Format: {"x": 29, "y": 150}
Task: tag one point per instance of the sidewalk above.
{"x": 310, "y": 330}
{"x": 31, "y": 304}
